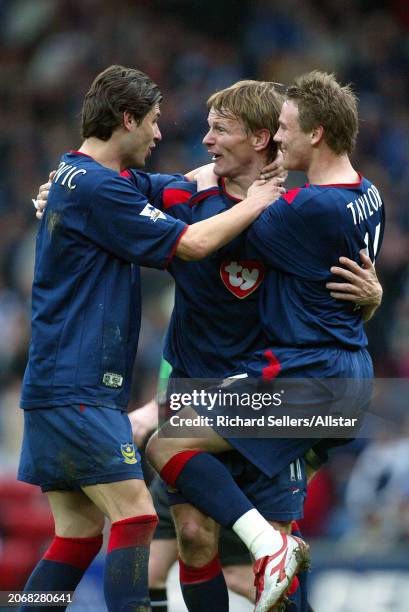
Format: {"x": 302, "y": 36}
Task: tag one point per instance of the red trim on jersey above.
{"x": 171, "y": 470}
{"x": 223, "y": 184}
{"x": 273, "y": 368}
{"x": 201, "y": 195}
{"x": 338, "y": 184}
{"x": 126, "y": 173}
{"x": 81, "y": 153}
{"x": 173, "y": 196}
{"x": 78, "y": 552}
{"x": 134, "y": 531}
{"x": 174, "y": 248}
{"x": 290, "y": 196}
{"x": 195, "y": 575}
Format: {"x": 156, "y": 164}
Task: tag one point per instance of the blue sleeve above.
{"x": 282, "y": 239}
{"x": 181, "y": 200}
{"x": 122, "y": 221}
{"x": 152, "y": 185}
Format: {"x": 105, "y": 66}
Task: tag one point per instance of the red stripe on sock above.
{"x": 78, "y": 552}
{"x": 175, "y": 465}
{"x": 135, "y": 531}
{"x": 191, "y": 575}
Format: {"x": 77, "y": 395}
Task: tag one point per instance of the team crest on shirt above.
{"x": 128, "y": 453}
{"x": 242, "y": 277}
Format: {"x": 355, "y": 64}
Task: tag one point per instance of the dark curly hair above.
{"x": 114, "y": 91}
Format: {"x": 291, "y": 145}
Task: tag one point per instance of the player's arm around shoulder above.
{"x": 207, "y": 236}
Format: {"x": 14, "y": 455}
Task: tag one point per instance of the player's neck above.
{"x": 238, "y": 185}
{"x": 103, "y": 153}
{"x": 236, "y": 188}
{"x": 332, "y": 170}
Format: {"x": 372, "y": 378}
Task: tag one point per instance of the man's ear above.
{"x": 317, "y": 135}
{"x": 261, "y": 139}
{"x": 128, "y": 121}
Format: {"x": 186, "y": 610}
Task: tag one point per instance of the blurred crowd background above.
{"x": 50, "y": 50}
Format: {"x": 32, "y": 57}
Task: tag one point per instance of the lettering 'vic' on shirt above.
{"x": 97, "y": 229}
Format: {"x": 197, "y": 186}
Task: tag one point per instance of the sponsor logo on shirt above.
{"x": 152, "y": 212}
{"x": 112, "y": 380}
{"x": 128, "y": 453}
{"x": 242, "y": 277}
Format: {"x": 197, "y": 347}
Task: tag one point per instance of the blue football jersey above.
{"x": 215, "y": 320}
{"x": 96, "y": 230}
{"x": 299, "y": 238}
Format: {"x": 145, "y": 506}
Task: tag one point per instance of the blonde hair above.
{"x": 256, "y": 103}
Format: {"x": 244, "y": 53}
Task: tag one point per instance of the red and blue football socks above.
{"x": 126, "y": 565}
{"x": 194, "y": 474}
{"x": 62, "y": 567}
{"x": 201, "y": 585}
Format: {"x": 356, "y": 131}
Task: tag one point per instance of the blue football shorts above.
{"x": 323, "y": 381}
{"x": 280, "y": 498}
{"x": 70, "y": 447}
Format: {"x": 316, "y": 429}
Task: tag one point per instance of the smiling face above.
{"x": 229, "y": 144}
{"x": 295, "y": 144}
{"x": 141, "y": 139}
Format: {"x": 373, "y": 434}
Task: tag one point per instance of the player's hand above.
{"x": 267, "y": 192}
{"x": 41, "y": 200}
{"x": 361, "y": 284}
{"x": 143, "y": 421}
{"x": 190, "y": 176}
{"x": 205, "y": 177}
{"x": 274, "y": 169}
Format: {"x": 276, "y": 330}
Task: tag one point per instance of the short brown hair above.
{"x": 321, "y": 100}
{"x": 114, "y": 91}
{"x": 256, "y": 103}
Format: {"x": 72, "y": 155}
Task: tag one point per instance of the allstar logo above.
{"x": 242, "y": 277}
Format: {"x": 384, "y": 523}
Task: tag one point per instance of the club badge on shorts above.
{"x": 128, "y": 453}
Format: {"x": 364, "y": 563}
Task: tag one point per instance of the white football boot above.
{"x": 274, "y": 573}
